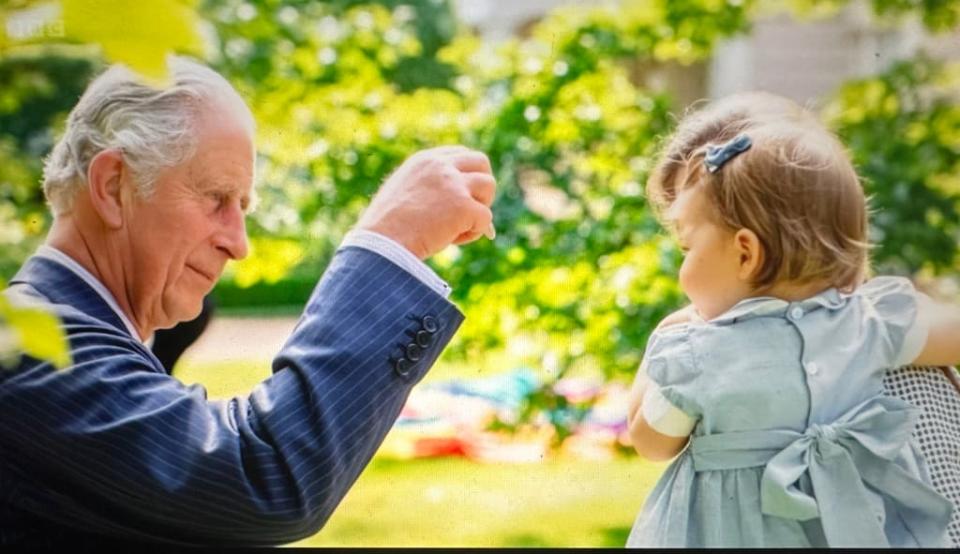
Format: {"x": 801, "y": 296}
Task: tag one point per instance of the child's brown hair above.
{"x": 795, "y": 188}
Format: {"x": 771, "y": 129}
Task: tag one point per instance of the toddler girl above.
{"x": 772, "y": 378}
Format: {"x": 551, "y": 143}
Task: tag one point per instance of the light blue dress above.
{"x": 793, "y": 443}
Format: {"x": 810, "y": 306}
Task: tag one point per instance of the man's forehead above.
{"x": 224, "y": 183}
{"x": 221, "y": 175}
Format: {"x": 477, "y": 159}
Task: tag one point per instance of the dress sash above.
{"x": 824, "y": 473}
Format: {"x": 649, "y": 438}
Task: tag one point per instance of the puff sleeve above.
{"x": 670, "y": 404}
{"x": 892, "y": 303}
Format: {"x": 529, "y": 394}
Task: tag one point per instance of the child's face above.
{"x": 711, "y": 263}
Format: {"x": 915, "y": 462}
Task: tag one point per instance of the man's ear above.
{"x": 105, "y": 179}
{"x": 750, "y": 251}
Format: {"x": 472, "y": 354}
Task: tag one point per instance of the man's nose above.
{"x": 233, "y": 237}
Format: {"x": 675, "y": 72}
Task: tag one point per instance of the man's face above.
{"x": 181, "y": 236}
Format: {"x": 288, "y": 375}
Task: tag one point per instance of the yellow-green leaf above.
{"x": 38, "y": 333}
{"x": 140, "y": 34}
{"x": 269, "y": 261}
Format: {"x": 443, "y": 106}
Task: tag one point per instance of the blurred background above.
{"x": 516, "y": 438}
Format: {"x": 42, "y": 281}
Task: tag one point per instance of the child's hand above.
{"x": 649, "y": 443}
{"x": 683, "y": 315}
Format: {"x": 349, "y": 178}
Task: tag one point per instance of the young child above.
{"x": 772, "y": 378}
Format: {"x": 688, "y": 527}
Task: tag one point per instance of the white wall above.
{"x": 808, "y": 60}
{"x": 803, "y": 60}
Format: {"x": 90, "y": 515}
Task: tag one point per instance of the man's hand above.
{"x": 437, "y": 197}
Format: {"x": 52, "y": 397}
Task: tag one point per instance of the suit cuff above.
{"x": 393, "y": 251}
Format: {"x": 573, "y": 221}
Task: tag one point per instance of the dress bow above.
{"x": 826, "y": 470}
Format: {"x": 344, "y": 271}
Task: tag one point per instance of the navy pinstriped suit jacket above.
{"x": 114, "y": 449}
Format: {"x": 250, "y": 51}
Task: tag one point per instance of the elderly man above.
{"x": 149, "y": 188}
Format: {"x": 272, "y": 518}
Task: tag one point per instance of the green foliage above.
{"x": 936, "y": 15}
{"x": 38, "y": 91}
{"x": 569, "y": 132}
{"x": 292, "y": 291}
{"x": 572, "y": 136}
{"x": 903, "y": 128}
{"x": 343, "y": 91}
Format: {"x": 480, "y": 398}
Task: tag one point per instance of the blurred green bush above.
{"x": 903, "y": 129}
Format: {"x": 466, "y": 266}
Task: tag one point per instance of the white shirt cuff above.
{"x": 662, "y": 416}
{"x": 915, "y": 339}
{"x": 393, "y": 251}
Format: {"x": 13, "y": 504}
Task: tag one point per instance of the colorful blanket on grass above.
{"x": 457, "y": 418}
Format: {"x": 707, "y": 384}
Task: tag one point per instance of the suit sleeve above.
{"x": 113, "y": 445}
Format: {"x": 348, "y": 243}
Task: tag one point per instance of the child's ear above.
{"x": 750, "y": 251}
{"x": 104, "y": 180}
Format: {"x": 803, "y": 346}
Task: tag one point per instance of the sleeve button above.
{"x": 413, "y": 352}
{"x": 424, "y": 338}
{"x": 402, "y": 367}
{"x": 430, "y": 324}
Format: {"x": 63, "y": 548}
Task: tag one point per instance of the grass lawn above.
{"x": 456, "y": 502}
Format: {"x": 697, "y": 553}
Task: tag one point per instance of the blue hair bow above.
{"x": 719, "y": 155}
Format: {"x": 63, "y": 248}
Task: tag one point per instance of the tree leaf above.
{"x": 38, "y": 332}
{"x": 139, "y": 34}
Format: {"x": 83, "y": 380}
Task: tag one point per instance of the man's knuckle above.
{"x": 434, "y": 164}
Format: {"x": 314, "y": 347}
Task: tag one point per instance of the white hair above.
{"x": 152, "y": 127}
